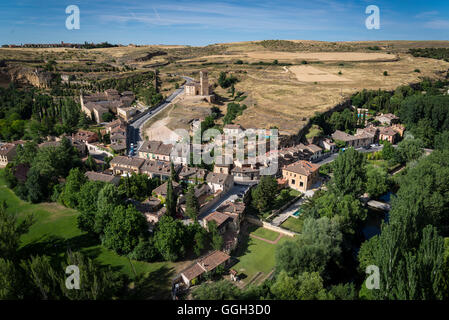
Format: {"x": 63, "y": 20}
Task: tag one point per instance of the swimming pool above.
{"x": 297, "y": 212}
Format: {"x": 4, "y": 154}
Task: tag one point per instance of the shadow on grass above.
{"x": 155, "y": 286}
{"x": 53, "y": 245}
{"x": 243, "y": 246}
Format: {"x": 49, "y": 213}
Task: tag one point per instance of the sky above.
{"x": 206, "y": 22}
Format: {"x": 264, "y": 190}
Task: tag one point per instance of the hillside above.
{"x": 307, "y": 76}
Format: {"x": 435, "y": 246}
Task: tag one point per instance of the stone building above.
{"x": 7, "y": 153}
{"x": 301, "y": 175}
{"x": 201, "y": 88}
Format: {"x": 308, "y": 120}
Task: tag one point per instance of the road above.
{"x": 135, "y": 128}
{"x": 232, "y": 194}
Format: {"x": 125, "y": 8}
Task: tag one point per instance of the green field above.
{"x": 293, "y": 224}
{"x": 266, "y": 234}
{"x": 55, "y": 230}
{"x": 255, "y": 256}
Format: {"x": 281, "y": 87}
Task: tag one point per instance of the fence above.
{"x": 269, "y": 226}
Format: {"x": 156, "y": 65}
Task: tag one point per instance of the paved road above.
{"x": 230, "y": 195}
{"x": 136, "y": 128}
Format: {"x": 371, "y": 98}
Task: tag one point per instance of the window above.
{"x": 301, "y": 184}
{"x": 293, "y": 181}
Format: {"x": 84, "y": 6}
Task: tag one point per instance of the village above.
{"x": 223, "y": 189}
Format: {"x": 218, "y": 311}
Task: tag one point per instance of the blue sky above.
{"x": 205, "y": 22}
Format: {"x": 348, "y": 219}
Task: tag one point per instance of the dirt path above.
{"x": 266, "y": 240}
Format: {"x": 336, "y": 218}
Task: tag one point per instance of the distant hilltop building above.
{"x": 201, "y": 88}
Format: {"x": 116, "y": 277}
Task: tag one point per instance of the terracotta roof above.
{"x": 149, "y": 206}
{"x": 302, "y": 167}
{"x": 213, "y": 260}
{"x": 206, "y": 264}
{"x": 218, "y": 217}
{"x": 235, "y": 208}
{"x": 218, "y": 178}
{"x": 343, "y": 136}
{"x": 192, "y": 172}
{"x": 244, "y": 169}
{"x": 388, "y": 131}
{"x": 158, "y": 167}
{"x": 313, "y": 148}
{"x": 118, "y": 146}
{"x": 6, "y": 148}
{"x": 49, "y": 144}
{"x": 127, "y": 161}
{"x": 156, "y": 147}
{"x": 389, "y": 116}
{"x": 162, "y": 189}
{"x": 98, "y": 176}
{"x": 193, "y": 272}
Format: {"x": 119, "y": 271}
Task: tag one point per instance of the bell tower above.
{"x": 204, "y": 82}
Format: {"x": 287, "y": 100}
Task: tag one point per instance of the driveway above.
{"x": 231, "y": 195}
{"x": 281, "y": 217}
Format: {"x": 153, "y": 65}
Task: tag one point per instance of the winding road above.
{"x": 135, "y": 128}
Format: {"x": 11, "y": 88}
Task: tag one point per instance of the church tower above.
{"x": 204, "y": 83}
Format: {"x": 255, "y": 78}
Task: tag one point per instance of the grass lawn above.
{"x": 255, "y": 256}
{"x": 55, "y": 230}
{"x": 293, "y": 224}
{"x": 266, "y": 234}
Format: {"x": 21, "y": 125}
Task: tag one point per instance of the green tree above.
{"x": 171, "y": 200}
{"x": 88, "y": 205}
{"x": 122, "y": 232}
{"x": 145, "y": 251}
{"x": 169, "y": 238}
{"x": 349, "y": 173}
{"x": 315, "y": 250}
{"x": 11, "y": 230}
{"x": 442, "y": 140}
{"x": 347, "y": 209}
{"x": 376, "y": 182}
{"x": 264, "y": 194}
{"x": 96, "y": 283}
{"x": 388, "y": 151}
{"x": 10, "y": 281}
{"x": 108, "y": 198}
{"x": 200, "y": 240}
{"x": 43, "y": 276}
{"x": 73, "y": 184}
{"x": 192, "y": 204}
{"x": 91, "y": 165}
{"x": 220, "y": 290}
{"x": 306, "y": 286}
{"x": 214, "y": 234}
{"x": 409, "y": 150}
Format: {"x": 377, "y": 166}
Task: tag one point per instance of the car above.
{"x": 240, "y": 195}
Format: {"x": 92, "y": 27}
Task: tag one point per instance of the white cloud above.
{"x": 426, "y": 14}
{"x": 437, "y": 24}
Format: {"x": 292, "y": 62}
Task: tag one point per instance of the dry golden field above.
{"x": 278, "y": 95}
{"x": 286, "y": 96}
